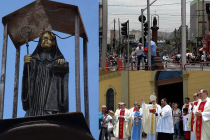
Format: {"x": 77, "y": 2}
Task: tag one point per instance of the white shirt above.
{"x": 133, "y": 58}
{"x": 108, "y": 118}
{"x": 185, "y": 119}
{"x": 139, "y": 51}
{"x": 165, "y": 121}
{"x": 202, "y": 57}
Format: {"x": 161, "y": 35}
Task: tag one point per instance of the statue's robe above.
{"x": 48, "y": 86}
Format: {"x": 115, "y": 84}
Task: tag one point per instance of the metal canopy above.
{"x": 43, "y": 14}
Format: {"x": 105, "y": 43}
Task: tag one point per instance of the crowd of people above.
{"x": 141, "y": 52}
{"x": 159, "y": 122}
{"x": 193, "y": 57}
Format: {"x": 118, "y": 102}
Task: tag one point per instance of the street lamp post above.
{"x": 149, "y": 34}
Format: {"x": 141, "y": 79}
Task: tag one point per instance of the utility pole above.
{"x": 149, "y": 34}
{"x": 142, "y": 33}
{"x": 114, "y": 50}
{"x": 204, "y": 48}
{"x": 119, "y": 37}
{"x": 128, "y": 56}
{"x": 183, "y": 32}
{"x": 104, "y": 35}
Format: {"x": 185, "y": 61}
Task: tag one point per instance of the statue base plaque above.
{"x": 49, "y": 127}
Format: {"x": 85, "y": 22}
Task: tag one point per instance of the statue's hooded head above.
{"x": 47, "y": 43}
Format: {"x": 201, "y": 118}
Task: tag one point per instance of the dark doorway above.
{"x": 110, "y": 99}
{"x": 172, "y": 92}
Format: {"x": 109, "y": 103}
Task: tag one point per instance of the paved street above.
{"x": 144, "y": 138}
{"x": 174, "y": 67}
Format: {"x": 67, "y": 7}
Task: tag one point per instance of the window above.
{"x": 110, "y": 99}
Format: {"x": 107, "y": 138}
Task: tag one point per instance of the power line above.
{"x": 146, "y": 5}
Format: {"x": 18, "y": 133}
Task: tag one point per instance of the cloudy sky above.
{"x": 169, "y": 12}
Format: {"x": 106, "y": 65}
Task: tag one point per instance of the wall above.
{"x": 104, "y": 86}
{"x": 196, "y": 81}
{"x": 139, "y": 85}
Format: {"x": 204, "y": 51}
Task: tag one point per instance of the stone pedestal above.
{"x": 54, "y": 127}
{"x": 158, "y": 61}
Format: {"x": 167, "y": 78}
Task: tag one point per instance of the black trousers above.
{"x": 164, "y": 136}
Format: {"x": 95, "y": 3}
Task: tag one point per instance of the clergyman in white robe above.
{"x": 165, "y": 126}
{"x": 204, "y": 132}
{"x": 149, "y": 120}
{"x": 125, "y": 131}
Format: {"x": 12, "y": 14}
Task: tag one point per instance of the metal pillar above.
{"x": 16, "y": 84}
{"x": 114, "y": 45}
{"x": 77, "y": 64}
{"x": 142, "y": 27}
{"x": 104, "y": 36}
{"x": 86, "y": 92}
{"x": 142, "y": 32}
{"x": 203, "y": 27}
{"x": 119, "y": 38}
{"x": 128, "y": 56}
{"x": 183, "y": 32}
{"x": 149, "y": 34}
{"x": 3, "y": 70}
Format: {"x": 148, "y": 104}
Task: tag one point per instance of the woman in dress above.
{"x": 176, "y": 120}
{"x": 137, "y": 127}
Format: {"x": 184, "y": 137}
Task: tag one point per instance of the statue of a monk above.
{"x": 49, "y": 72}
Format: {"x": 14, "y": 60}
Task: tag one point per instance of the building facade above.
{"x": 129, "y": 86}
{"x": 196, "y": 20}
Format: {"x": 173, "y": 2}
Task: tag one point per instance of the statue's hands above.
{"x": 61, "y": 61}
{"x": 27, "y": 59}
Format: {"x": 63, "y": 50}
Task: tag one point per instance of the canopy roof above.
{"x": 43, "y": 15}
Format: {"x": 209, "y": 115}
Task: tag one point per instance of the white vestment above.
{"x": 192, "y": 137}
{"x": 205, "y": 128}
{"x": 165, "y": 120}
{"x": 126, "y": 127}
{"x": 113, "y": 118}
{"x": 149, "y": 120}
{"x": 189, "y": 109}
{"x": 185, "y": 119}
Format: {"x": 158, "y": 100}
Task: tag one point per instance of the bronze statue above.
{"x": 49, "y": 72}
{"x": 155, "y": 22}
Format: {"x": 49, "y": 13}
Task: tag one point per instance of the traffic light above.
{"x": 144, "y": 18}
{"x": 140, "y": 40}
{"x": 124, "y": 29}
{"x": 168, "y": 42}
{"x": 207, "y": 8}
{"x": 146, "y": 29}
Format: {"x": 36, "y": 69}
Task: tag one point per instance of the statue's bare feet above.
{"x": 61, "y": 61}
{"x": 27, "y": 59}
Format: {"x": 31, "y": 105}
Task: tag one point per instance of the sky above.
{"x": 169, "y": 13}
{"x": 90, "y": 20}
